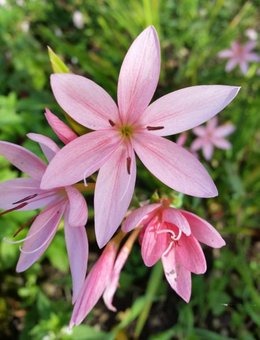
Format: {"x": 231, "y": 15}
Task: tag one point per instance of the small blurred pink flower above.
{"x": 25, "y": 194}
{"x": 210, "y": 136}
{"x": 173, "y": 235}
{"x": 133, "y": 127}
{"x": 239, "y": 54}
{"x": 78, "y": 19}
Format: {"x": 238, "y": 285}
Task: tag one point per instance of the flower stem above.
{"x": 152, "y": 288}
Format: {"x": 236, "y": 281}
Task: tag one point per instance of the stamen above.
{"x": 128, "y": 165}
{"x": 153, "y": 128}
{"x": 167, "y": 231}
{"x": 40, "y": 247}
{"x": 26, "y": 199}
{"x": 26, "y": 224}
{"x": 178, "y": 236}
{"x": 168, "y": 249}
{"x": 111, "y": 122}
{"x": 85, "y": 179}
{"x": 20, "y": 206}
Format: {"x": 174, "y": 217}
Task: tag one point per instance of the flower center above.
{"x": 126, "y": 131}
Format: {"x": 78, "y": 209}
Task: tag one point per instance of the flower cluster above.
{"x": 118, "y": 134}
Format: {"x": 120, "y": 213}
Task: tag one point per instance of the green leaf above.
{"x": 57, "y": 64}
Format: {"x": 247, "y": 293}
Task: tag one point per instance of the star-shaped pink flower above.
{"x": 239, "y": 55}
{"x": 211, "y": 136}
{"x": 132, "y": 127}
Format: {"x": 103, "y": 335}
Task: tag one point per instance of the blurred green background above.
{"x": 92, "y": 37}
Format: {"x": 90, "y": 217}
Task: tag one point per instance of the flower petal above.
{"x": 77, "y": 248}
{"x": 178, "y": 277}
{"x": 197, "y": 144}
{"x": 114, "y": 277}
{"x": 113, "y": 193}
{"x": 136, "y": 217}
{"x": 139, "y": 75}
{"x": 94, "y": 285}
{"x": 78, "y": 210}
{"x": 174, "y": 166}
{"x": 231, "y": 64}
{"x": 222, "y": 143}
{"x": 23, "y": 159}
{"x": 207, "y": 150}
{"x": 226, "y": 54}
{"x": 203, "y": 231}
{"x": 18, "y": 189}
{"x": 175, "y": 217}
{"x": 84, "y": 100}
{"x": 63, "y": 131}
{"x": 186, "y": 108}
{"x": 80, "y": 158}
{"x": 190, "y": 255}
{"x": 40, "y": 236}
{"x": 153, "y": 245}
{"x": 224, "y": 130}
{"x": 48, "y": 146}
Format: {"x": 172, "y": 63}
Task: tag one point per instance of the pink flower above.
{"x": 211, "y": 136}
{"x": 132, "y": 127}
{"x": 103, "y": 279}
{"x": 239, "y": 54}
{"x": 173, "y": 235}
{"x": 26, "y": 194}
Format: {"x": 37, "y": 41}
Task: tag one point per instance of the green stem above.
{"x": 152, "y": 288}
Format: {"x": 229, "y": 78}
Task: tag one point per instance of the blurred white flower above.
{"x": 58, "y": 32}
{"x": 251, "y": 34}
{"x": 20, "y": 2}
{"x": 78, "y": 19}
{"x": 25, "y": 26}
{"x": 2, "y": 2}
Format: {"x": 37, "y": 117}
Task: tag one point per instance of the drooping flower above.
{"x": 211, "y": 136}
{"x": 26, "y": 194}
{"x": 103, "y": 278}
{"x": 132, "y": 127}
{"x": 239, "y": 55}
{"x": 173, "y": 235}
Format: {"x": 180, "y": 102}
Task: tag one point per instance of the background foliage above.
{"x": 225, "y": 302}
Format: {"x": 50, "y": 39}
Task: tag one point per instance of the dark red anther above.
{"x": 153, "y": 128}
{"x": 26, "y": 199}
{"x": 20, "y": 206}
{"x": 128, "y": 164}
{"x": 111, "y": 122}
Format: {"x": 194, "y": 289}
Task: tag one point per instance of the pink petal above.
{"x": 136, "y": 217}
{"x": 65, "y": 133}
{"x": 199, "y": 131}
{"x": 153, "y": 245}
{"x": 78, "y": 210}
{"x": 250, "y": 46}
{"x": 197, "y": 144}
{"x": 212, "y": 124}
{"x": 23, "y": 159}
{"x": 40, "y": 236}
{"x": 174, "y": 166}
{"x": 113, "y": 193}
{"x": 231, "y": 64}
{"x": 190, "y": 255}
{"x": 80, "y": 158}
{"x": 226, "y": 54}
{"x": 94, "y": 285}
{"x": 243, "y": 66}
{"x": 18, "y": 189}
{"x": 203, "y": 231}
{"x": 114, "y": 278}
{"x": 77, "y": 248}
{"x": 186, "y": 108}
{"x": 139, "y": 75}
{"x": 48, "y": 146}
{"x": 222, "y": 143}
{"x": 224, "y": 130}
{"x": 178, "y": 277}
{"x": 84, "y": 100}
{"x": 253, "y": 57}
{"x": 175, "y": 217}
{"x": 207, "y": 150}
